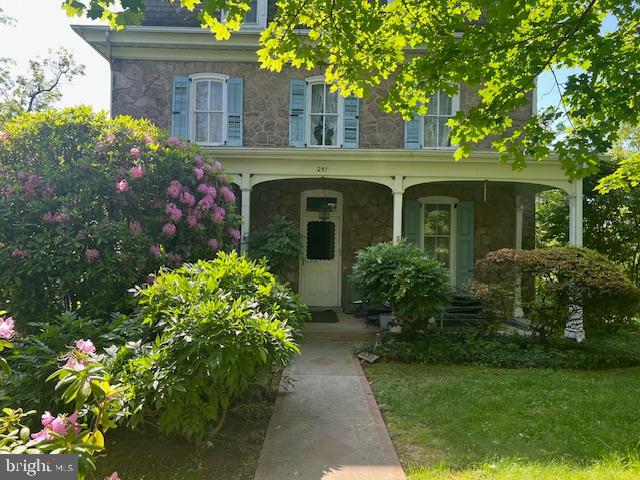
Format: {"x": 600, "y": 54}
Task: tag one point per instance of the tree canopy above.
{"x": 498, "y": 47}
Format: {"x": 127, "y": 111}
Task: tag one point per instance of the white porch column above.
{"x": 245, "y": 188}
{"x": 517, "y": 299}
{"x": 576, "y": 215}
{"x": 398, "y": 193}
{"x": 575, "y": 325}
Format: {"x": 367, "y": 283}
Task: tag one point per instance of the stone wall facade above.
{"x": 368, "y": 213}
{"x": 143, "y": 88}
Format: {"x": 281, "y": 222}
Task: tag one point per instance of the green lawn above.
{"x": 233, "y": 454}
{"x": 460, "y": 422}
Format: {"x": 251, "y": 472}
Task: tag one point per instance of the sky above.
{"x": 42, "y": 25}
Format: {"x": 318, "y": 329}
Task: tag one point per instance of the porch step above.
{"x": 463, "y": 310}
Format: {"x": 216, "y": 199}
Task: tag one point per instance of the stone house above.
{"x": 347, "y": 173}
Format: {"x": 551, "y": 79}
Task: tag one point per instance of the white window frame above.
{"x": 455, "y": 108}
{"x": 319, "y": 79}
{"x": 192, "y": 104}
{"x": 453, "y": 228}
{"x": 261, "y": 18}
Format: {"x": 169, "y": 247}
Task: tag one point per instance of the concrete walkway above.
{"x": 327, "y": 425}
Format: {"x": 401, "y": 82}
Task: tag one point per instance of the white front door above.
{"x": 321, "y": 224}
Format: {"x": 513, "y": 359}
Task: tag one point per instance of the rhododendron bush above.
{"x": 216, "y": 329}
{"x": 90, "y": 206}
{"x": 88, "y": 391}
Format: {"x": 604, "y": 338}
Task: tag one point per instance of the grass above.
{"x": 233, "y": 454}
{"x": 466, "y": 422}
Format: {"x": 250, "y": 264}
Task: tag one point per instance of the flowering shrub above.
{"x": 219, "y": 326}
{"x": 416, "y": 285}
{"x": 89, "y": 206}
{"x": 97, "y": 405}
{"x": 562, "y": 277}
{"x": 6, "y": 334}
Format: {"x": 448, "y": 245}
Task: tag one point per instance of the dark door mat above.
{"x": 325, "y": 316}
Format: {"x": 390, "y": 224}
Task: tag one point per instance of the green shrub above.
{"x": 416, "y": 285}
{"x": 562, "y": 277}
{"x": 280, "y": 243}
{"x": 505, "y": 351}
{"x": 35, "y": 355}
{"x": 90, "y": 206}
{"x": 220, "y": 326}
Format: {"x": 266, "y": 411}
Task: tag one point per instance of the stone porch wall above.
{"x": 368, "y": 214}
{"x": 143, "y": 88}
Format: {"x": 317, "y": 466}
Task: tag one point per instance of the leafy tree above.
{"x": 611, "y": 221}
{"x": 420, "y": 46}
{"x": 626, "y": 154}
{"x": 40, "y": 87}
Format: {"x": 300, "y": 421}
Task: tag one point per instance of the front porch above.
{"x": 346, "y": 200}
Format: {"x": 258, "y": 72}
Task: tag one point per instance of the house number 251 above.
{"x": 321, "y": 169}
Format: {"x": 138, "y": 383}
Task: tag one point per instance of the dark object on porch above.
{"x": 464, "y": 310}
{"x": 325, "y": 316}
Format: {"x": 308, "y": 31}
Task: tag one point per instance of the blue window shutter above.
{"x": 411, "y": 221}
{"x": 351, "y": 130}
{"x": 234, "y": 112}
{"x": 180, "y": 111}
{"x": 465, "y": 251}
{"x": 412, "y": 133}
{"x": 297, "y": 106}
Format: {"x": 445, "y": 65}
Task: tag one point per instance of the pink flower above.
{"x": 6, "y": 191}
{"x": 155, "y": 250}
{"x": 192, "y": 220}
{"x": 86, "y": 346}
{"x": 41, "y": 436}
{"x": 4, "y": 136}
{"x": 72, "y": 421}
{"x": 113, "y": 476}
{"x": 206, "y": 203}
{"x": 60, "y": 217}
{"x": 203, "y": 188}
{"x": 197, "y": 161}
{"x": 135, "y": 226}
{"x": 47, "y": 418}
{"x": 74, "y": 364}
{"x": 135, "y": 152}
{"x": 217, "y": 166}
{"x": 187, "y": 199}
{"x": 58, "y": 426}
{"x": 234, "y": 233}
{"x": 111, "y": 138}
{"x": 228, "y": 195}
{"x": 174, "y": 189}
{"x": 176, "y": 215}
{"x": 20, "y": 252}
{"x": 175, "y": 258}
{"x": 174, "y": 141}
{"x": 169, "y": 229}
{"x": 47, "y": 217}
{"x": 91, "y": 254}
{"x": 146, "y": 139}
{"x": 137, "y": 171}
{"x": 198, "y": 172}
{"x": 7, "y": 330}
{"x": 122, "y": 186}
{"x": 217, "y": 216}
{"x": 213, "y": 244}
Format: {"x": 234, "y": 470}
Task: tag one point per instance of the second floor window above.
{"x": 437, "y": 134}
{"x": 324, "y": 116}
{"x": 431, "y": 130}
{"x": 208, "y": 110}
